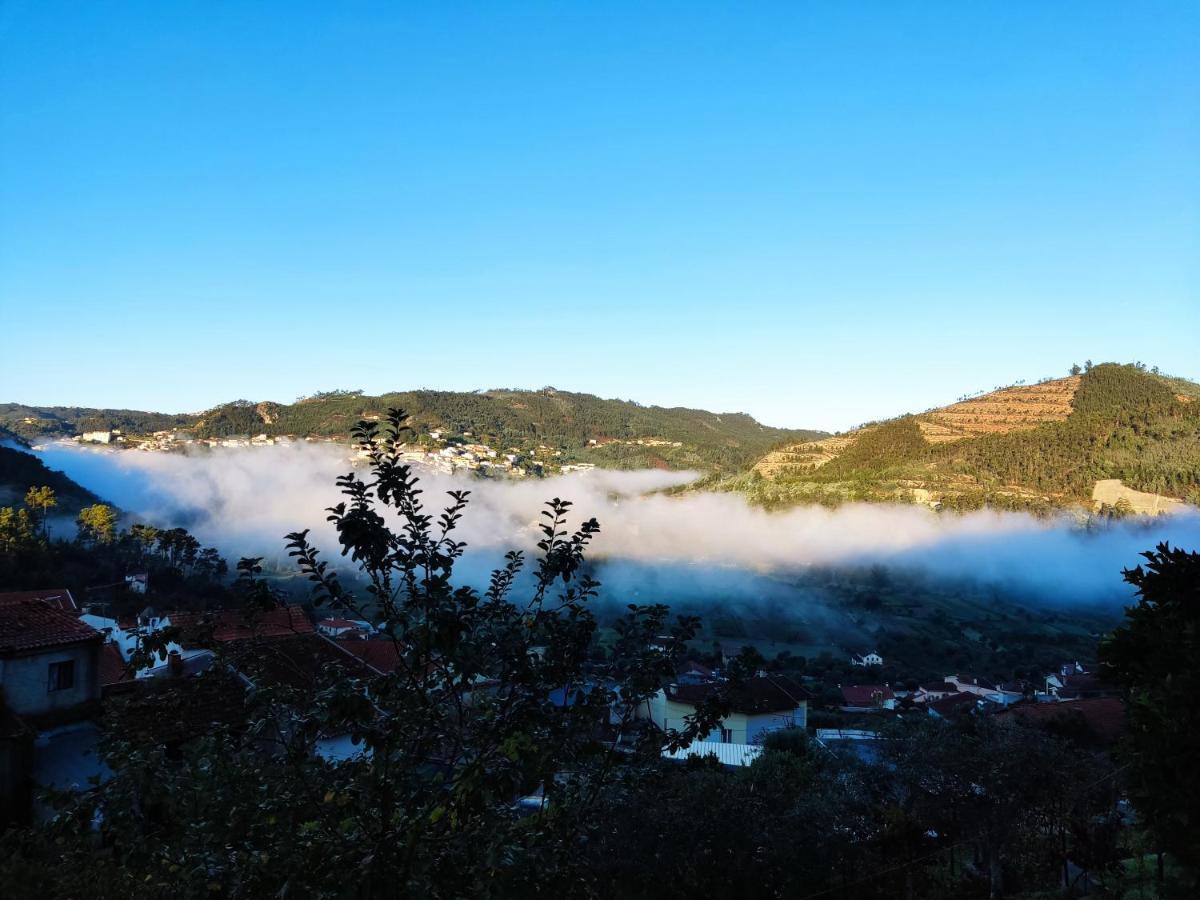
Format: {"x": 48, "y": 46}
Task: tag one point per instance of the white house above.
{"x": 336, "y": 628}
{"x": 762, "y": 704}
{"x": 129, "y": 640}
{"x": 935, "y": 690}
{"x": 867, "y": 659}
{"x": 981, "y": 687}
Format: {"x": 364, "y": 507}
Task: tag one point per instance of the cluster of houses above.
{"x": 964, "y": 691}
{"x": 447, "y": 454}
{"x": 163, "y": 441}
{"x": 450, "y": 455}
{"x": 66, "y": 672}
{"x": 441, "y": 452}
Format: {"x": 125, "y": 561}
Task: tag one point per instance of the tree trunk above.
{"x": 995, "y": 874}
{"x": 1066, "y": 868}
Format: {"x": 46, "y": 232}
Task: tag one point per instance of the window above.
{"x": 726, "y": 735}
{"x": 62, "y": 675}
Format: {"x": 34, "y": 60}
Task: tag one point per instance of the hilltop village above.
{"x": 435, "y": 450}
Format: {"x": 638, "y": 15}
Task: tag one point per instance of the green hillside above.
{"x": 1112, "y": 422}
{"x": 20, "y": 471}
{"x": 501, "y": 418}
{"x": 31, "y": 422}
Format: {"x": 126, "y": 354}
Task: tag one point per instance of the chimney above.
{"x": 175, "y": 663}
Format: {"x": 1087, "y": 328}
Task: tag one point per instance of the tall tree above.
{"x": 41, "y": 500}
{"x": 16, "y": 529}
{"x": 1155, "y": 657}
{"x": 97, "y": 524}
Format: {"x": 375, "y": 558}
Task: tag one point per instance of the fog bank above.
{"x": 244, "y": 500}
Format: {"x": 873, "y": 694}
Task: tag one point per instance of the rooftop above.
{"x": 171, "y": 710}
{"x": 32, "y": 624}
{"x": 299, "y": 661}
{"x": 378, "y": 653}
{"x": 726, "y": 754}
{"x": 763, "y": 693}
{"x": 867, "y": 694}
{"x": 939, "y": 687}
{"x": 1104, "y": 717}
{"x": 112, "y": 666}
{"x": 225, "y": 625}
{"x": 59, "y": 598}
{"x": 955, "y": 703}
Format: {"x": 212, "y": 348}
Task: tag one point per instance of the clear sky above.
{"x": 819, "y": 213}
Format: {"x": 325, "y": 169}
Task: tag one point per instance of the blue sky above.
{"x": 816, "y": 213}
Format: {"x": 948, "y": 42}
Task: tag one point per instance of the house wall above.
{"x": 759, "y": 725}
{"x": 665, "y": 713}
{"x": 743, "y": 729}
{"x": 24, "y": 680}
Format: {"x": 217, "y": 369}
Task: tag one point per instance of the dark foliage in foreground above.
{"x": 1153, "y": 656}
{"x": 443, "y": 747}
{"x": 426, "y": 801}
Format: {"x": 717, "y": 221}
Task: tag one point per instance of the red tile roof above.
{"x": 31, "y": 624}
{"x": 1104, "y": 716}
{"x": 763, "y": 693}
{"x": 159, "y": 711}
{"x": 337, "y": 623}
{"x": 378, "y": 653}
{"x": 968, "y": 678}
{"x": 939, "y": 687}
{"x": 236, "y": 624}
{"x": 867, "y": 694}
{"x": 1081, "y": 685}
{"x": 953, "y": 704}
{"x": 59, "y": 598}
{"x": 113, "y": 668}
{"x": 300, "y": 661}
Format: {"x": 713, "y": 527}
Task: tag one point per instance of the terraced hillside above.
{"x": 1035, "y": 447}
{"x": 811, "y": 455}
{"x": 1017, "y": 408}
{"x": 1011, "y": 409}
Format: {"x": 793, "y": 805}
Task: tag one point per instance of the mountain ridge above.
{"x": 587, "y": 427}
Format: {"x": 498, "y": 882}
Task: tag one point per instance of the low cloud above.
{"x": 244, "y": 500}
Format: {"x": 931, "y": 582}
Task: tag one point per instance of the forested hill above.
{"x": 19, "y": 471}
{"x": 1115, "y": 437}
{"x": 673, "y": 437}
